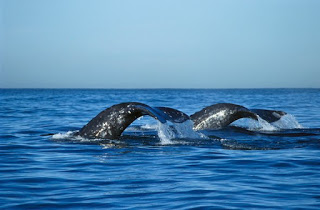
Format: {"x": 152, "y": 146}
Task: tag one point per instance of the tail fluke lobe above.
{"x": 269, "y": 115}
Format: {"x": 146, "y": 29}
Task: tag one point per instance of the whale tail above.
{"x": 220, "y": 115}
{"x": 110, "y": 123}
{"x": 269, "y": 115}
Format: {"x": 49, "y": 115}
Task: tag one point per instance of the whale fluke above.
{"x": 220, "y": 115}
{"x": 269, "y": 115}
{"x": 110, "y": 123}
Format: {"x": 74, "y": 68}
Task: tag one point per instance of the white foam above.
{"x": 66, "y": 135}
{"x": 72, "y": 136}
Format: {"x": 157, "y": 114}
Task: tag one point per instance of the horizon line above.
{"x": 157, "y": 88}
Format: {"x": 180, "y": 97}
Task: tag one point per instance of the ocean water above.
{"x": 247, "y": 165}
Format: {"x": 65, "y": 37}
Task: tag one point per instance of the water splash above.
{"x": 265, "y": 126}
{"x": 167, "y": 132}
{"x": 255, "y": 125}
{"x": 288, "y": 121}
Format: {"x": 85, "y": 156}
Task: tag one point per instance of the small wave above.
{"x": 249, "y": 145}
{"x": 8, "y": 137}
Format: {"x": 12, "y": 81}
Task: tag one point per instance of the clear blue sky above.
{"x": 159, "y": 44}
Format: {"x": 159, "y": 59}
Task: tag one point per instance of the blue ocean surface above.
{"x": 243, "y": 166}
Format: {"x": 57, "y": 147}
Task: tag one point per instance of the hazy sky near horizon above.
{"x": 159, "y": 44}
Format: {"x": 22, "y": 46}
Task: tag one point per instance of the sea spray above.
{"x": 255, "y": 125}
{"x": 265, "y": 126}
{"x": 169, "y": 131}
{"x": 287, "y": 121}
